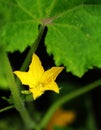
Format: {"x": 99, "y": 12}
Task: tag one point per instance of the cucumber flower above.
{"x": 38, "y": 79}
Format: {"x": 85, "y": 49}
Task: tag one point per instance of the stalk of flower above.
{"x": 38, "y": 79}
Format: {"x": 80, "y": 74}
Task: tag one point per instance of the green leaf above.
{"x": 20, "y": 19}
{"x": 74, "y": 39}
{"x": 19, "y": 29}
{"x": 73, "y": 30}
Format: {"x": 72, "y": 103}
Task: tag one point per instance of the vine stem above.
{"x": 66, "y": 99}
{"x": 33, "y": 49}
{"x": 6, "y": 108}
{"x": 18, "y": 102}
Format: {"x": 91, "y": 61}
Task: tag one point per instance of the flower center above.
{"x": 40, "y": 85}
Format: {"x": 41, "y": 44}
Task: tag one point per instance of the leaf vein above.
{"x": 70, "y": 10}
{"x": 66, "y": 25}
{"x": 51, "y": 7}
{"x": 25, "y": 10}
{"x": 39, "y": 8}
{"x": 56, "y": 30}
{"x": 22, "y": 22}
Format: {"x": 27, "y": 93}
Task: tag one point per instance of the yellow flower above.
{"x": 38, "y": 79}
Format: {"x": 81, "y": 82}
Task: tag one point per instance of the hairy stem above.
{"x": 66, "y": 99}
{"x": 33, "y": 49}
{"x": 18, "y": 103}
{"x": 6, "y": 108}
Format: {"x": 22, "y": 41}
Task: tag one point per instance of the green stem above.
{"x": 33, "y": 49}
{"x": 6, "y": 108}
{"x": 67, "y": 98}
{"x": 90, "y": 122}
{"x": 18, "y": 103}
{"x": 27, "y": 59}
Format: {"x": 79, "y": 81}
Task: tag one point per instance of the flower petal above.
{"x": 36, "y": 68}
{"x": 36, "y": 93}
{"x": 24, "y": 77}
{"x": 52, "y": 86}
{"x": 51, "y": 74}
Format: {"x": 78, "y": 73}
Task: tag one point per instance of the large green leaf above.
{"x": 74, "y": 39}
{"x": 73, "y": 29}
{"x": 19, "y": 29}
{"x": 20, "y": 20}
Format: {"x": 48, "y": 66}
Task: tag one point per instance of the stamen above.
{"x": 40, "y": 85}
